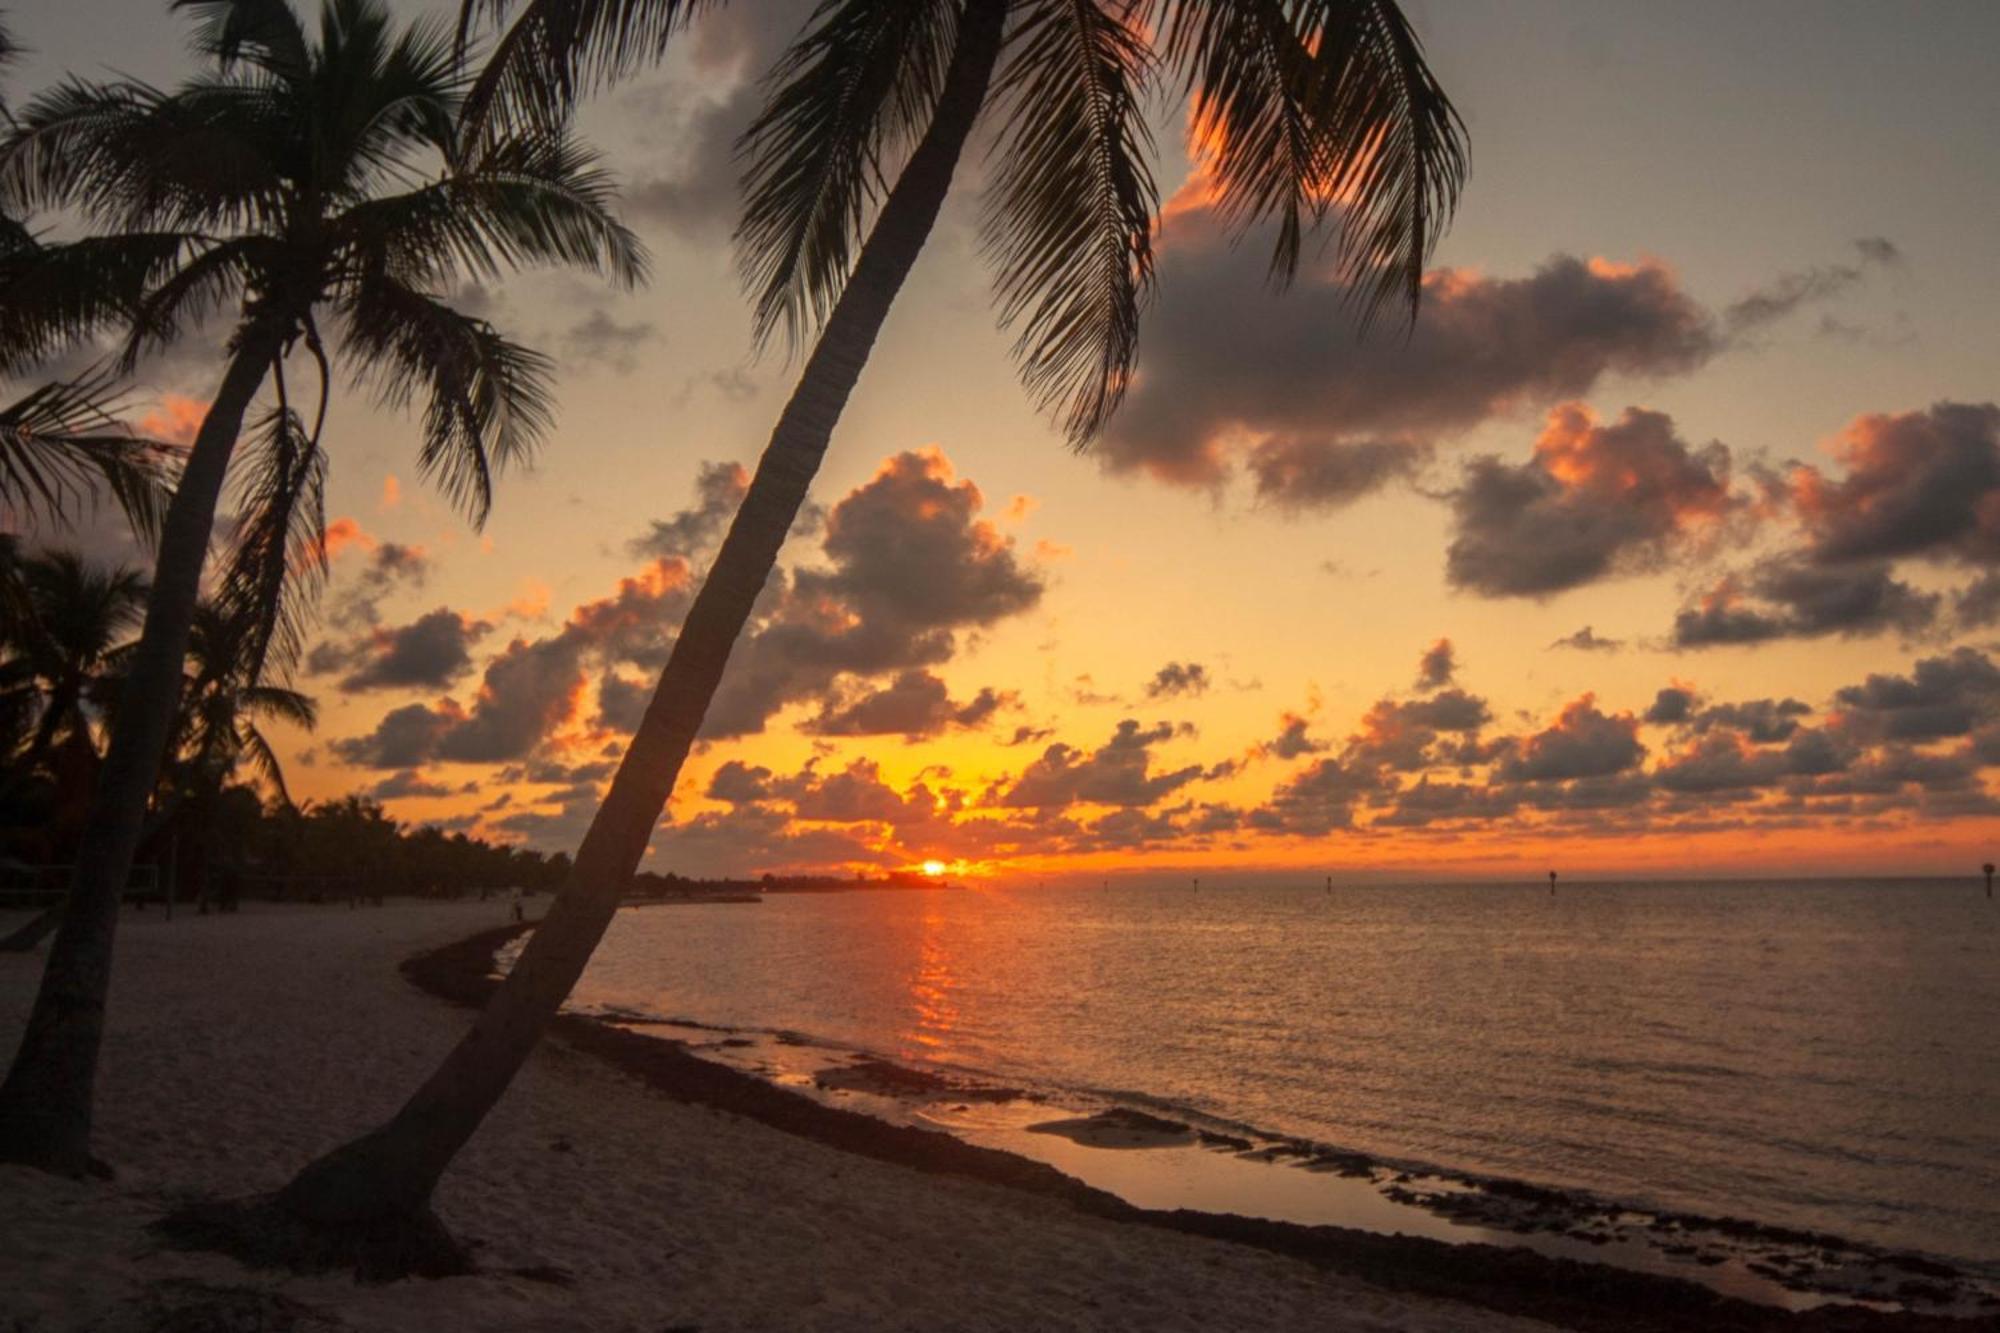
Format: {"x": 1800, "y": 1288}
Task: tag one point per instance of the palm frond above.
{"x": 286, "y": 705}
{"x": 847, "y": 104}
{"x": 55, "y": 297}
{"x": 391, "y": 96}
{"x": 63, "y": 442}
{"x": 557, "y": 51}
{"x": 1396, "y": 147}
{"x": 537, "y": 198}
{"x": 488, "y": 400}
{"x": 263, "y": 761}
{"x": 265, "y": 33}
{"x": 1069, "y": 223}
{"x": 277, "y": 565}
{"x": 131, "y": 156}
{"x": 1248, "y": 68}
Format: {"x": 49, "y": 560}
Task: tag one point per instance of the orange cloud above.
{"x": 392, "y": 492}
{"x": 343, "y": 533}
{"x": 175, "y": 420}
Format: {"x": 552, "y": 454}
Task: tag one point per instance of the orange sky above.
{"x": 1696, "y": 477}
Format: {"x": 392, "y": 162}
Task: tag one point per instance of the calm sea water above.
{"x": 1822, "y": 1055}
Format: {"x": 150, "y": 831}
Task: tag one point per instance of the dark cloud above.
{"x": 430, "y": 652}
{"x": 407, "y": 783}
{"x": 600, "y": 340}
{"x": 1292, "y": 741}
{"x": 621, "y": 702}
{"x": 912, "y": 564}
{"x": 1297, "y": 473}
{"x": 1436, "y": 666}
{"x": 1319, "y": 800}
{"x": 1404, "y": 734}
{"x": 1222, "y": 370}
{"x": 1120, "y": 772}
{"x": 391, "y": 568}
{"x": 1673, "y": 706}
{"x": 1177, "y": 679}
{"x": 1786, "y": 597}
{"x": 1588, "y": 640}
{"x": 719, "y": 491}
{"x": 405, "y": 737}
{"x": 1941, "y": 697}
{"x": 1595, "y": 500}
{"x": 915, "y": 704}
{"x": 1760, "y": 721}
{"x": 1788, "y": 291}
{"x": 1583, "y": 743}
{"x": 1916, "y": 484}
{"x": 534, "y": 687}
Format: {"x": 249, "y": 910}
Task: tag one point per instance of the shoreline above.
{"x": 1510, "y": 1280}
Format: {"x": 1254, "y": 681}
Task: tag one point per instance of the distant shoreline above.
{"x": 1504, "y": 1279}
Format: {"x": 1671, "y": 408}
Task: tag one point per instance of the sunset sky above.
{"x": 1667, "y": 542}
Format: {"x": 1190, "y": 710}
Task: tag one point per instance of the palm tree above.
{"x": 224, "y": 699}
{"x": 62, "y": 653}
{"x": 1321, "y": 111}
{"x": 316, "y": 183}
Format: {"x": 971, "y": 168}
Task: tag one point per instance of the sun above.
{"x": 934, "y": 868}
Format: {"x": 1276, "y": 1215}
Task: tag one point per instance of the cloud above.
{"x": 1786, "y": 597}
{"x": 408, "y": 783}
{"x": 1582, "y": 743}
{"x": 1595, "y": 500}
{"x": 1177, "y": 679}
{"x": 1436, "y": 667}
{"x": 1588, "y": 640}
{"x": 1325, "y": 414}
{"x": 532, "y": 688}
{"x": 1917, "y": 484}
{"x": 1119, "y": 772}
{"x": 391, "y": 568}
{"x": 915, "y": 704}
{"x": 1296, "y": 473}
{"x": 719, "y": 490}
{"x": 912, "y": 563}
{"x": 405, "y": 737}
{"x": 1291, "y": 742}
{"x": 428, "y": 653}
{"x": 1941, "y": 697}
{"x": 1788, "y": 291}
{"x": 599, "y": 340}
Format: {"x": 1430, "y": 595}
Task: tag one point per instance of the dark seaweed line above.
{"x": 1510, "y": 1280}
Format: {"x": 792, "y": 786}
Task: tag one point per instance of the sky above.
{"x": 1666, "y": 542}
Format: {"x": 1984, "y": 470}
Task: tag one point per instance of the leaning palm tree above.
{"x": 1320, "y": 111}
{"x": 316, "y": 186}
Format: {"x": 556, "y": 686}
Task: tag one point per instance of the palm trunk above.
{"x": 392, "y": 1171}
{"x": 45, "y": 1104}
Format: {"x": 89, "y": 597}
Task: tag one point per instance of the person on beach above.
{"x": 515, "y": 898}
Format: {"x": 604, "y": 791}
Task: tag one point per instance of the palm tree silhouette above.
{"x": 62, "y": 654}
{"x": 1319, "y": 112}
{"x": 318, "y": 182}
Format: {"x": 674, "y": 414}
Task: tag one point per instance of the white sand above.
{"x": 239, "y": 1046}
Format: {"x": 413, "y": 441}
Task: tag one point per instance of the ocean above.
{"x": 1809, "y": 1055}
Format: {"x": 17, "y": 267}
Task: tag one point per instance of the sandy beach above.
{"x": 240, "y": 1045}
